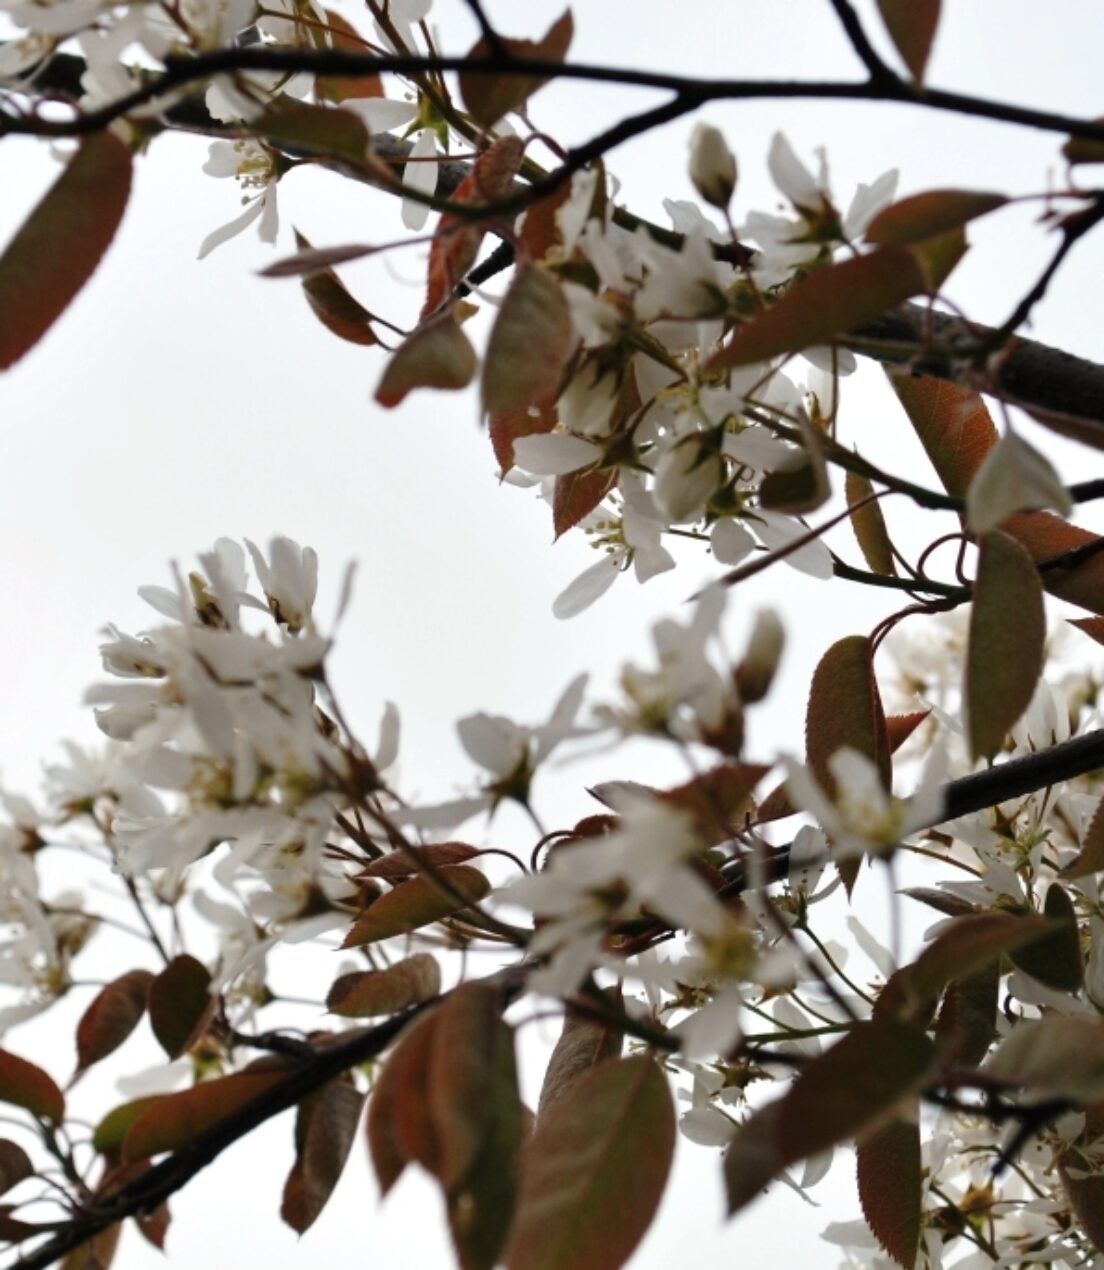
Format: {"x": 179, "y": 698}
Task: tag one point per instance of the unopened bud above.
{"x": 764, "y": 650}
{"x": 712, "y": 166}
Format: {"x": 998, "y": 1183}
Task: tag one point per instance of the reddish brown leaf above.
{"x": 98, "y": 1253}
{"x": 953, "y": 425}
{"x": 510, "y": 425}
{"x": 303, "y": 129}
{"x": 113, "y": 1015}
{"x": 1055, "y": 959}
{"x": 337, "y": 88}
{"x": 584, "y": 1043}
{"x": 400, "y": 1128}
{"x": 15, "y": 1164}
{"x": 180, "y": 1003}
{"x": 966, "y": 1025}
{"x": 437, "y": 355}
{"x": 174, "y": 1120}
{"x": 529, "y": 345}
{"x": 419, "y": 902}
{"x": 1092, "y": 626}
{"x": 824, "y": 304}
{"x": 1046, "y": 536}
{"x": 889, "y": 1177}
{"x": 718, "y": 799}
{"x": 28, "y": 1086}
{"x": 62, "y": 241}
{"x": 577, "y": 494}
{"x": 333, "y": 305}
{"x": 1090, "y": 859}
{"x": 457, "y": 240}
{"x": 845, "y": 709}
{"x": 325, "y": 1125}
{"x": 922, "y": 216}
{"x": 112, "y": 1129}
{"x": 488, "y": 97}
{"x": 899, "y": 727}
{"x": 406, "y": 863}
{"x": 540, "y": 230}
{"x": 370, "y": 993}
{"x": 911, "y": 25}
{"x": 869, "y": 525}
{"x": 1004, "y": 657}
{"x": 595, "y": 1169}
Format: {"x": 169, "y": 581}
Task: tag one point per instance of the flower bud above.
{"x": 712, "y": 166}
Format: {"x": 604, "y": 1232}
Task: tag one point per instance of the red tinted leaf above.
{"x": 28, "y": 1086}
{"x": 1045, "y": 536}
{"x": 325, "y": 131}
{"x": 174, "y": 1120}
{"x": 406, "y": 863}
{"x": 1092, "y": 626}
{"x": 824, "y": 304}
{"x": 113, "y": 1128}
{"x": 400, "y": 1129}
{"x": 540, "y": 230}
{"x": 899, "y": 727}
{"x": 113, "y": 1015}
{"x": 180, "y": 1003}
{"x": 437, "y": 355}
{"x": 583, "y": 1044}
{"x": 911, "y": 25}
{"x": 334, "y": 307}
{"x": 841, "y": 1095}
{"x": 488, "y": 97}
{"x": 577, "y": 494}
{"x": 953, "y": 425}
{"x": 325, "y": 1125}
{"x": 313, "y": 259}
{"x": 926, "y": 215}
{"x": 457, "y": 240}
{"x": 889, "y": 1176}
{"x": 508, "y": 426}
{"x": 60, "y": 244}
{"x": 338, "y": 88}
{"x": 1007, "y": 633}
{"x": 15, "y": 1164}
{"x": 718, "y": 799}
{"x": 1055, "y": 959}
{"x": 364, "y": 995}
{"x": 594, "y": 1171}
{"x": 966, "y": 1025}
{"x": 530, "y": 342}
{"x": 417, "y": 903}
{"x": 869, "y": 526}
{"x": 845, "y": 708}
{"x": 1091, "y": 857}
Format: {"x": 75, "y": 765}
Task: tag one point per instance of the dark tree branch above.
{"x": 880, "y": 73}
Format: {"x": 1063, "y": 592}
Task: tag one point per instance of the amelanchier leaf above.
{"x": 338, "y": 88}
{"x": 490, "y": 96}
{"x": 595, "y": 1169}
{"x": 114, "y": 1013}
{"x": 889, "y": 1175}
{"x": 180, "y": 1003}
{"x": 935, "y": 212}
{"x": 841, "y": 1095}
{"x": 62, "y": 241}
{"x": 1055, "y": 959}
{"x": 397, "y": 865}
{"x": 1083, "y": 1182}
{"x": 584, "y": 1043}
{"x": 576, "y": 494}
{"x": 325, "y": 1126}
{"x": 825, "y": 304}
{"x": 912, "y": 25}
{"x": 303, "y": 129}
{"x": 869, "y": 525}
{"x": 437, "y": 355}
{"x": 370, "y": 993}
{"x": 1006, "y": 642}
{"x": 400, "y": 1128}
{"x": 1059, "y": 1056}
{"x": 15, "y": 1164}
{"x": 457, "y": 238}
{"x": 508, "y": 426}
{"x": 333, "y": 305}
{"x": 1091, "y": 857}
{"x": 419, "y": 902}
{"x": 966, "y": 1026}
{"x": 529, "y": 344}
{"x": 845, "y": 709}
{"x": 28, "y": 1086}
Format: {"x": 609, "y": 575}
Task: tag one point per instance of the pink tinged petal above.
{"x": 421, "y": 177}
{"x": 730, "y": 541}
{"x": 586, "y": 589}
{"x": 554, "y": 454}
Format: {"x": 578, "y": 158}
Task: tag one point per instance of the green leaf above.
{"x": 1054, "y": 959}
{"x": 15, "y": 1165}
{"x": 437, "y": 355}
{"x": 325, "y": 1125}
{"x": 922, "y": 216}
{"x": 825, "y": 304}
{"x": 28, "y": 1086}
{"x": 869, "y": 526}
{"x": 334, "y": 307}
{"x": 417, "y": 903}
{"x": 62, "y": 241}
{"x": 1006, "y": 642}
{"x": 595, "y": 1170}
{"x": 114, "y": 1013}
{"x": 368, "y": 994}
{"x": 889, "y": 1176}
{"x": 488, "y": 97}
{"x": 180, "y": 1003}
{"x": 841, "y": 1095}
{"x": 174, "y": 1120}
{"x": 112, "y": 1129}
{"x": 911, "y": 25}
{"x": 530, "y": 343}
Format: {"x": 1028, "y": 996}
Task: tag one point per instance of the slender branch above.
{"x": 892, "y": 582}
{"x": 880, "y": 73}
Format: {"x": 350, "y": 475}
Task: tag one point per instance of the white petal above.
{"x": 231, "y": 229}
{"x": 421, "y": 177}
{"x": 554, "y": 453}
{"x": 730, "y": 541}
{"x": 587, "y": 587}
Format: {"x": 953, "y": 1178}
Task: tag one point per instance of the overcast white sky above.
{"x": 179, "y": 400}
